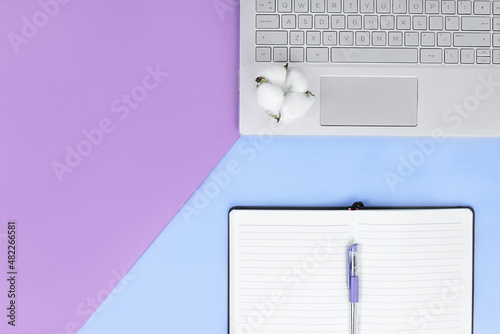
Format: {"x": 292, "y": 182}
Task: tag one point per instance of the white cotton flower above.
{"x": 270, "y": 97}
{"x": 283, "y": 93}
{"x": 275, "y": 75}
{"x": 295, "y": 81}
{"x": 296, "y": 105}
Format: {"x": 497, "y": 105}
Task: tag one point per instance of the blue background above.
{"x": 180, "y": 284}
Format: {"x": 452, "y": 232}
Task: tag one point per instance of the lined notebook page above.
{"x": 288, "y": 271}
{"x": 415, "y": 269}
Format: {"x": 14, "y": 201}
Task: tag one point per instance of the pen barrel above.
{"x": 354, "y": 290}
{"x": 354, "y": 318}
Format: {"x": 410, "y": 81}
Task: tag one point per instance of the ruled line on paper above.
{"x": 314, "y": 247}
{"x": 303, "y": 303}
{"x": 411, "y": 252}
{"x": 407, "y": 224}
{"x": 408, "y": 238}
{"x": 405, "y": 315}
{"x": 364, "y": 308}
{"x": 282, "y": 260}
{"x": 416, "y": 274}
{"x": 411, "y": 245}
{"x": 408, "y": 330}
{"x": 301, "y": 225}
{"x": 283, "y": 239}
{"x": 363, "y": 230}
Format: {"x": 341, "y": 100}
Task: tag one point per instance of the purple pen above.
{"x": 353, "y": 285}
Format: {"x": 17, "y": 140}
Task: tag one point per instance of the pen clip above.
{"x": 352, "y": 249}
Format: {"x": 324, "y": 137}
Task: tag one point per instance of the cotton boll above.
{"x": 275, "y": 75}
{"x": 270, "y": 97}
{"x": 283, "y": 93}
{"x": 295, "y": 81}
{"x": 296, "y": 105}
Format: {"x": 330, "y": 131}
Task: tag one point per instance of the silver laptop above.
{"x": 377, "y": 67}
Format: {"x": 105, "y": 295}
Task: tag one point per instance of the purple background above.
{"x": 75, "y": 236}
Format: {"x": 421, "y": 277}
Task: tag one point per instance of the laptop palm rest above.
{"x": 368, "y": 101}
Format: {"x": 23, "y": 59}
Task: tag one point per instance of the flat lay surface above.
{"x": 120, "y": 159}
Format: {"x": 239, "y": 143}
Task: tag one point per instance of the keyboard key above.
{"x": 471, "y": 23}
{"x": 350, "y": 6}
{"x": 467, "y": 56}
{"x": 296, "y": 37}
{"x": 367, "y": 6}
{"x": 280, "y": 54}
{"x": 403, "y": 22}
{"x": 428, "y": 39}
{"x": 496, "y": 40}
{"x": 431, "y": 7}
{"x": 416, "y": 7}
{"x": 285, "y": 6}
{"x": 483, "y": 53}
{"x": 483, "y": 60}
{"x": 301, "y": 6}
{"x": 395, "y": 38}
{"x": 321, "y": 22}
{"x": 386, "y": 22}
{"x": 268, "y": 22}
{"x": 313, "y": 38}
{"x": 271, "y": 38}
{"x": 333, "y": 6}
{"x": 374, "y": 55}
{"x": 482, "y": 7}
{"x": 266, "y": 6}
{"x": 288, "y": 21}
{"x": 496, "y": 23}
{"x": 399, "y": 6}
{"x": 263, "y": 54}
{"x": 448, "y": 7}
{"x": 464, "y": 7}
{"x": 362, "y": 38}
{"x": 496, "y": 56}
{"x": 354, "y": 22}
{"x": 496, "y": 7}
{"x": 471, "y": 39}
{"x": 305, "y": 21}
{"x": 371, "y": 22}
{"x": 346, "y": 38}
{"x": 383, "y": 6}
{"x": 317, "y": 55}
{"x": 452, "y": 23}
{"x": 296, "y": 54}
{"x": 411, "y": 39}
{"x": 431, "y": 56}
{"x": 419, "y": 23}
{"x": 436, "y": 23}
{"x": 317, "y": 6}
{"x": 330, "y": 38}
{"x": 379, "y": 38}
{"x": 451, "y": 56}
{"x": 444, "y": 39}
{"x": 338, "y": 22}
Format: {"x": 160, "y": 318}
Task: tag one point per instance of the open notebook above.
{"x": 287, "y": 270}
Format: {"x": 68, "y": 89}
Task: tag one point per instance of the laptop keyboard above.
{"x": 378, "y": 31}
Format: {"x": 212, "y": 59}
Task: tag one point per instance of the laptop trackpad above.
{"x": 369, "y": 101}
